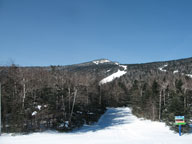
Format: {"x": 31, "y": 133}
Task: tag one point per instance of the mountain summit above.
{"x": 101, "y": 61}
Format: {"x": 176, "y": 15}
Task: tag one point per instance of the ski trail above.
{"x": 116, "y": 126}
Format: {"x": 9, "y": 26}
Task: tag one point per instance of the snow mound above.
{"x": 116, "y": 126}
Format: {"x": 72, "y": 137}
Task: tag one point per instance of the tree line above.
{"x": 36, "y": 99}
{"x": 55, "y": 97}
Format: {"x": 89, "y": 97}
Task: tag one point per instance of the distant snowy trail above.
{"x": 115, "y": 75}
{"x": 116, "y": 126}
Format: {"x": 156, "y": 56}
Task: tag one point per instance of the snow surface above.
{"x": 162, "y": 68}
{"x": 113, "y": 76}
{"x": 189, "y": 75}
{"x": 116, "y": 126}
{"x": 123, "y": 66}
{"x": 39, "y": 107}
{"x": 34, "y": 113}
{"x": 101, "y": 61}
{"x": 66, "y": 124}
{"x": 175, "y": 71}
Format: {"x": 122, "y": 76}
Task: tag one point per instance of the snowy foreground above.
{"x": 116, "y": 126}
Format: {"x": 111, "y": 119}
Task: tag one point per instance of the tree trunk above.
{"x": 164, "y": 96}
{"x": 57, "y": 102}
{"x": 69, "y": 94}
{"x": 0, "y": 109}
{"x": 160, "y": 97}
{"x": 153, "y": 111}
{"x": 63, "y": 105}
{"x": 87, "y": 96}
{"x": 141, "y": 93}
{"x": 24, "y": 95}
{"x": 99, "y": 95}
{"x": 184, "y": 99}
{"x": 15, "y": 90}
{"x": 74, "y": 99}
{"x": 168, "y": 94}
{"x": 34, "y": 98}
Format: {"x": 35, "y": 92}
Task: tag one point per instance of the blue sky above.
{"x": 62, "y": 32}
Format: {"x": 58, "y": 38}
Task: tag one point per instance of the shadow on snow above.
{"x": 112, "y": 117}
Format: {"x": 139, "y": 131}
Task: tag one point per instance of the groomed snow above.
{"x": 110, "y": 78}
{"x": 116, "y": 126}
{"x": 115, "y": 75}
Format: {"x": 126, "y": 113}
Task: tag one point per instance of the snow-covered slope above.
{"x": 112, "y": 77}
{"x": 116, "y": 126}
{"x": 115, "y": 75}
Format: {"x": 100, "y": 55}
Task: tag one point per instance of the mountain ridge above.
{"x": 180, "y": 59}
{"x": 91, "y": 61}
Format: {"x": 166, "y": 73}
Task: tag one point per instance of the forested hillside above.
{"x": 66, "y": 97}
